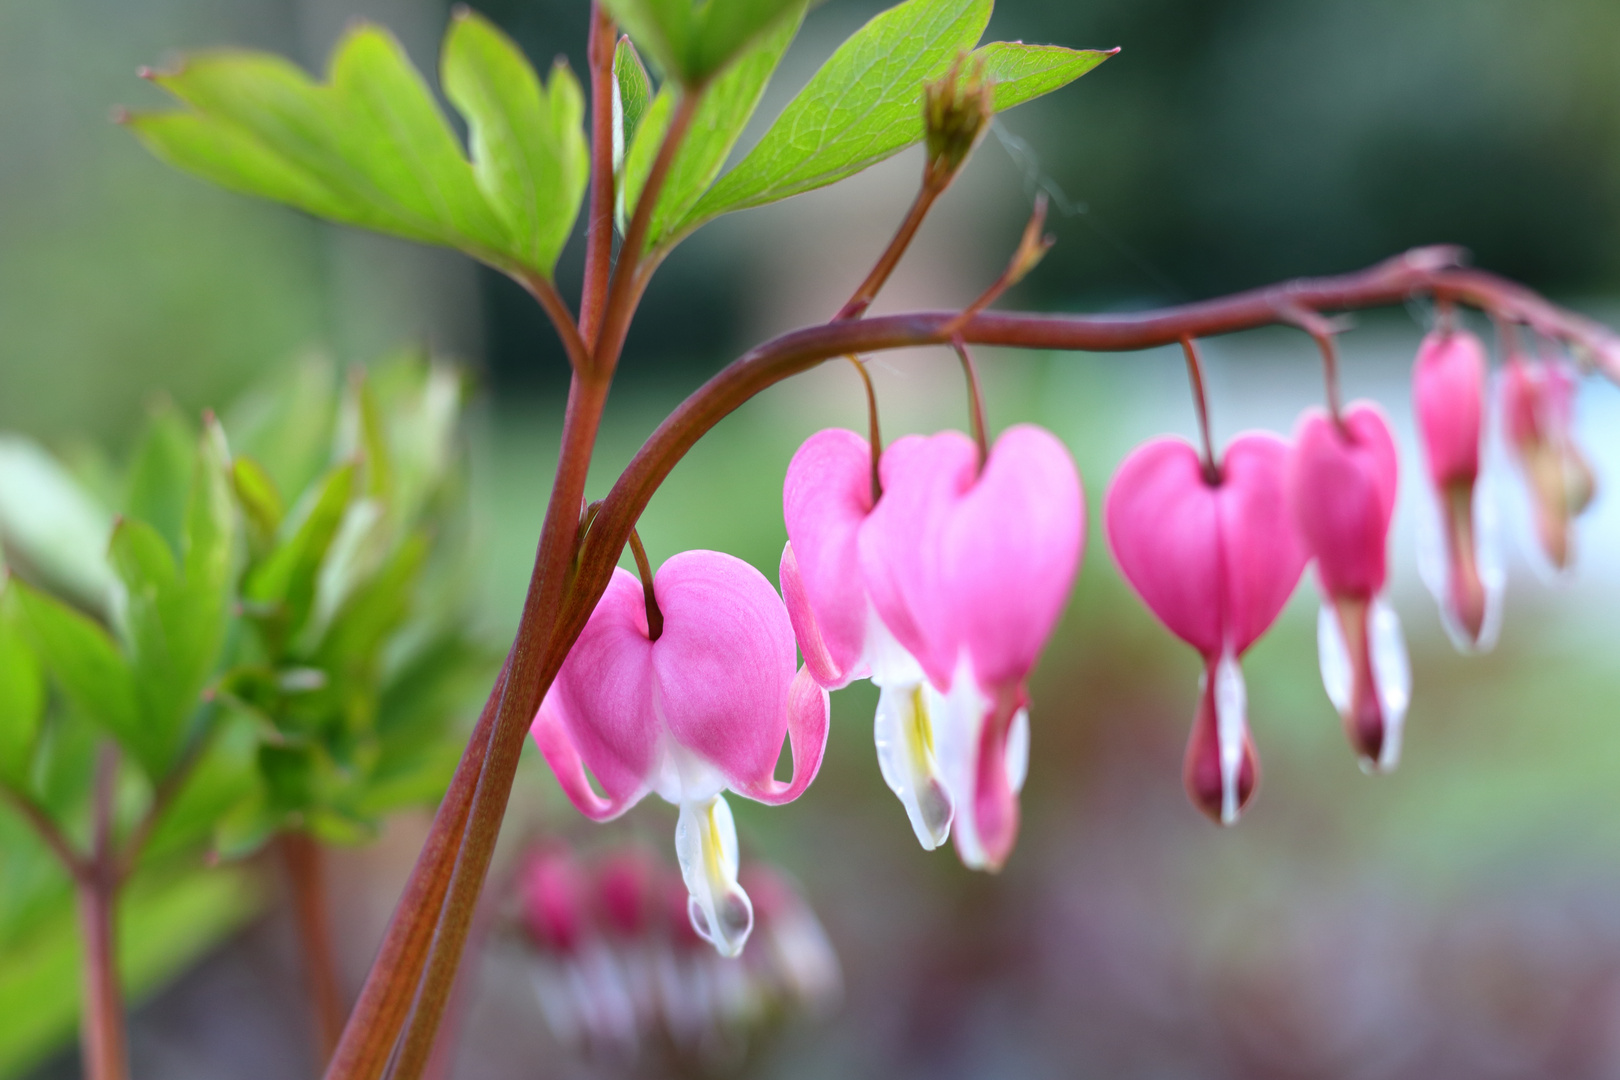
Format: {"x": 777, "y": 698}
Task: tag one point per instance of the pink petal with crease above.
{"x": 1448, "y": 396}
{"x": 825, "y": 498}
{"x": 1342, "y": 487}
{"x": 922, "y": 478}
{"x": 1009, "y": 551}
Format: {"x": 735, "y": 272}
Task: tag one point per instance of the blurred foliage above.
{"x": 276, "y": 634}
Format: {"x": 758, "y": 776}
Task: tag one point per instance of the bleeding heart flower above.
{"x": 1215, "y": 558}
{"x": 701, "y": 709}
{"x": 826, "y": 502}
{"x": 1459, "y": 564}
{"x": 1537, "y": 402}
{"x": 1341, "y": 483}
{"x": 969, "y": 570}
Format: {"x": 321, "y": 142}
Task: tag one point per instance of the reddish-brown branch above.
{"x": 599, "y": 220}
{"x": 39, "y": 819}
{"x": 1423, "y": 270}
{"x": 303, "y": 864}
{"x": 101, "y": 1023}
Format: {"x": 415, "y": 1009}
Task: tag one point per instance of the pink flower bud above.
{"x": 1216, "y": 562}
{"x": 624, "y": 892}
{"x": 1448, "y": 395}
{"x": 1341, "y": 484}
{"x": 1537, "y": 403}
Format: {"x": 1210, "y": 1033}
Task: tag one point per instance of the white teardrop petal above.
{"x": 706, "y": 845}
{"x": 1392, "y": 675}
{"x": 1018, "y": 751}
{"x": 904, "y": 733}
{"x": 1231, "y": 730}
{"x": 1333, "y": 655}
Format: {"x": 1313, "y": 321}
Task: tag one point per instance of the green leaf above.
{"x": 285, "y": 580}
{"x": 632, "y": 93}
{"x": 22, "y": 693}
{"x": 370, "y": 147}
{"x": 865, "y": 103}
{"x": 87, "y": 665}
{"x": 285, "y": 424}
{"x": 261, "y": 502}
{"x": 528, "y": 143}
{"x": 721, "y": 115}
{"x": 1022, "y": 72}
{"x": 690, "y": 42}
{"x": 50, "y": 530}
{"x": 161, "y": 473}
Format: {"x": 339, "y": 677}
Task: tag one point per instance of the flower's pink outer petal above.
{"x": 724, "y": 664}
{"x": 1262, "y": 553}
{"x": 922, "y": 479}
{"x": 599, "y": 712}
{"x": 825, "y": 498}
{"x": 1159, "y": 515}
{"x": 1216, "y": 564}
{"x": 1342, "y": 488}
{"x": 818, "y": 658}
{"x": 1448, "y": 396}
{"x": 808, "y": 712}
{"x": 1008, "y": 553}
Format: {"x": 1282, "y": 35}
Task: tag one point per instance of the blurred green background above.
{"x": 1456, "y": 919}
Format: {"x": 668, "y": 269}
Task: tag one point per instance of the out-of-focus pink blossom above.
{"x": 702, "y": 709}
{"x": 1538, "y": 415}
{"x": 1448, "y": 396}
{"x": 1215, "y": 558}
{"x": 552, "y": 894}
{"x": 1342, "y": 480}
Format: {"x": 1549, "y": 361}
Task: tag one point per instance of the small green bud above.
{"x": 956, "y": 114}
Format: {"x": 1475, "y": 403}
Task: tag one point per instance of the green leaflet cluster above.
{"x": 371, "y": 147}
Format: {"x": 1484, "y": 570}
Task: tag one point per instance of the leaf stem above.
{"x": 1195, "y": 377}
{"x": 655, "y": 617}
{"x": 933, "y": 186}
{"x": 599, "y": 223}
{"x": 303, "y": 865}
{"x": 874, "y": 433}
{"x": 562, "y": 320}
{"x": 628, "y": 281}
{"x": 975, "y": 400}
{"x": 39, "y": 819}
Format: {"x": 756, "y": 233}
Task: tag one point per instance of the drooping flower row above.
{"x": 938, "y": 571}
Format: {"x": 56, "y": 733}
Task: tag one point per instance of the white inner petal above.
{"x": 904, "y": 733}
{"x": 1018, "y": 751}
{"x": 958, "y": 722}
{"x": 1392, "y": 675}
{"x": 1334, "y": 657}
{"x": 1488, "y": 557}
{"x": 1231, "y": 728}
{"x": 887, "y": 660}
{"x": 706, "y": 845}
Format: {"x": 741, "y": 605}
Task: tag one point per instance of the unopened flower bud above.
{"x": 1448, "y": 394}
{"x": 1537, "y": 402}
{"x": 957, "y": 110}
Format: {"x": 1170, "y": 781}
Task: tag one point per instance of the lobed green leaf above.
{"x": 51, "y": 531}
{"x": 528, "y": 145}
{"x": 372, "y": 148}
{"x": 93, "y": 674}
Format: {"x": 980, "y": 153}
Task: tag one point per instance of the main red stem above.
{"x": 102, "y": 1027}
